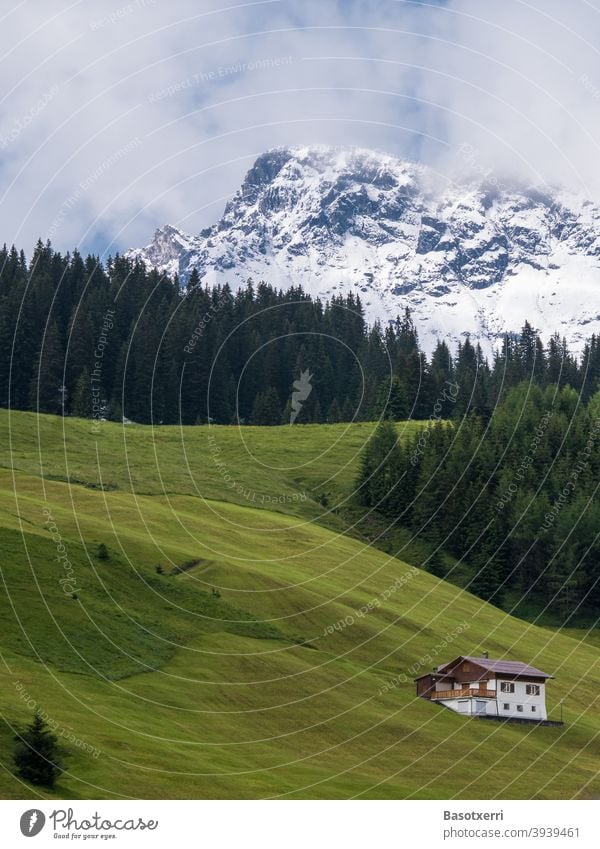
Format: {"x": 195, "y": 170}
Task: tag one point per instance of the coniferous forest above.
{"x": 88, "y": 339}
{"x": 514, "y": 497}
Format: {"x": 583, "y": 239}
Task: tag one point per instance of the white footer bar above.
{"x": 301, "y": 824}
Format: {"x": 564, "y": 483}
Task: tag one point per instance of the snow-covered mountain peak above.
{"x": 466, "y": 256}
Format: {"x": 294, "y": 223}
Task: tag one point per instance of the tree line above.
{"x": 514, "y": 497}
{"x": 109, "y": 340}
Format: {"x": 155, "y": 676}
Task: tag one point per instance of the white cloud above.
{"x": 119, "y": 117}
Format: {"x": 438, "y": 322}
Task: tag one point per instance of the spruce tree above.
{"x": 267, "y": 409}
{"x": 348, "y": 410}
{"x": 334, "y": 414}
{"x": 47, "y": 390}
{"x": 380, "y": 462}
{"x": 81, "y": 402}
{"x": 37, "y": 755}
{"x": 397, "y": 407}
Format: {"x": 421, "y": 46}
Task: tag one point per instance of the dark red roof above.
{"x": 507, "y": 667}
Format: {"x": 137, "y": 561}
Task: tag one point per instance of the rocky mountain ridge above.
{"x": 467, "y": 257}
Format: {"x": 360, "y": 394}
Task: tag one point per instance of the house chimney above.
{"x": 486, "y": 655}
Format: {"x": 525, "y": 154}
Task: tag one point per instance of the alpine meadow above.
{"x": 247, "y": 641}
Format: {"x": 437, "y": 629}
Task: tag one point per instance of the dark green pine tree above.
{"x": 428, "y": 507}
{"x": 267, "y": 408}
{"x": 193, "y": 280}
{"x": 37, "y": 754}
{"x": 488, "y": 560}
{"x": 376, "y": 364}
{"x": 317, "y": 413}
{"x": 24, "y": 333}
{"x": 47, "y": 392}
{"x": 81, "y": 343}
{"x": 286, "y": 416}
{"x": 118, "y": 396}
{"x": 348, "y": 410}
{"x": 556, "y": 360}
{"x": 5, "y": 355}
{"x": 144, "y": 401}
{"x": 81, "y": 402}
{"x": 220, "y": 395}
{"x": 334, "y": 414}
{"x": 466, "y": 377}
{"x": 397, "y": 407}
{"x": 380, "y": 465}
{"x": 441, "y": 373}
{"x": 526, "y": 351}
{"x": 434, "y": 563}
{"x": 561, "y": 583}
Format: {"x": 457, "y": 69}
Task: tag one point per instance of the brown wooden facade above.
{"x": 466, "y": 671}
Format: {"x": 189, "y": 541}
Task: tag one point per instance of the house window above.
{"x": 466, "y": 667}
{"x": 506, "y": 706}
{"x": 533, "y": 708}
{"x": 507, "y": 687}
{"x": 520, "y": 708}
{"x": 532, "y": 689}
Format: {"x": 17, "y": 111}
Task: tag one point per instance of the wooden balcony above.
{"x": 463, "y": 693}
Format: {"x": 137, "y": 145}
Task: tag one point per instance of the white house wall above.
{"x": 495, "y": 707}
{"x": 520, "y": 697}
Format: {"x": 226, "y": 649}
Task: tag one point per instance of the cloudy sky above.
{"x": 117, "y": 117}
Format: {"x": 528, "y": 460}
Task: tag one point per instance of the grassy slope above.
{"x": 188, "y": 695}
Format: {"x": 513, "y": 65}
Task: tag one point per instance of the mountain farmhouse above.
{"x": 478, "y": 686}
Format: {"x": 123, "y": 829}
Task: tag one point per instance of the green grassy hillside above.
{"x": 271, "y": 654}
